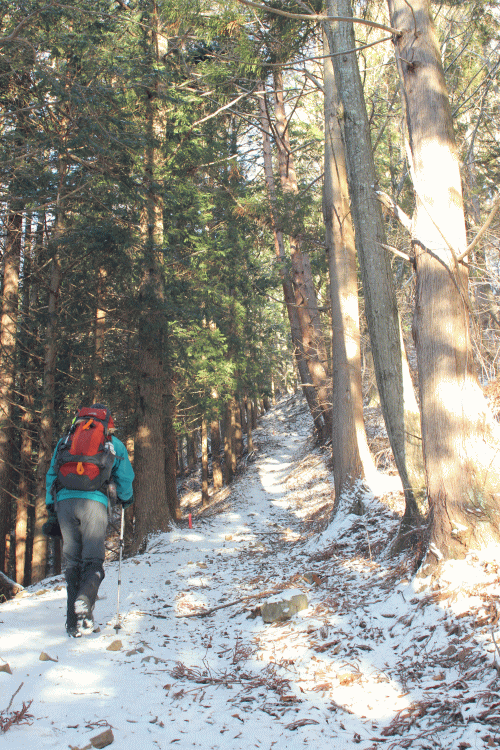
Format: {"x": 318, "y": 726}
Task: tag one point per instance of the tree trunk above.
{"x": 152, "y": 512}
{"x": 171, "y": 454}
{"x": 255, "y": 414}
{"x": 238, "y": 431}
{"x": 248, "y": 407}
{"x": 288, "y": 292}
{"x": 8, "y": 339}
{"x": 182, "y": 467}
{"x": 99, "y": 331}
{"x": 39, "y": 559}
{"x": 232, "y": 415}
{"x": 23, "y": 556}
{"x": 348, "y": 434}
{"x": 228, "y": 445}
{"x": 191, "y": 450}
{"x": 215, "y": 450}
{"x": 460, "y": 439}
{"x": 204, "y": 463}
{"x": 25, "y": 505}
{"x": 304, "y": 292}
{"x": 397, "y": 400}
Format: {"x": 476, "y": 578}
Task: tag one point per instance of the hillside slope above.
{"x": 373, "y": 661}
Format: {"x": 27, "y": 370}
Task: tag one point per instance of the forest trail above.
{"x": 372, "y": 662}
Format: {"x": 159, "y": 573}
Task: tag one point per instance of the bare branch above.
{"x": 394, "y": 209}
{"x": 323, "y": 57}
{"x": 397, "y": 252}
{"x": 14, "y": 35}
{"x": 484, "y": 228}
{"x": 315, "y": 17}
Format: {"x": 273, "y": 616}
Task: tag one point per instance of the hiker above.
{"x": 88, "y": 464}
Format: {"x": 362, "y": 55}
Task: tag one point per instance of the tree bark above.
{"x": 232, "y": 416}
{"x": 181, "y": 455}
{"x": 204, "y": 463}
{"x": 391, "y": 368}
{"x": 40, "y": 547}
{"x": 99, "y": 332}
{"x": 348, "y": 425}
{"x": 288, "y": 292}
{"x": 460, "y": 439}
{"x": 191, "y": 450}
{"x": 25, "y": 504}
{"x": 304, "y": 291}
{"x": 171, "y": 453}
{"x": 8, "y": 339}
{"x": 152, "y": 511}
{"x": 215, "y": 450}
{"x": 238, "y": 431}
{"x": 228, "y": 445}
{"x": 248, "y": 407}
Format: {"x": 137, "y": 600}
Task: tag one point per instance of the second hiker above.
{"x": 84, "y": 465}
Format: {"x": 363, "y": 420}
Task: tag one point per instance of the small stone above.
{"x": 103, "y": 740}
{"x": 284, "y": 609}
{"x": 115, "y": 646}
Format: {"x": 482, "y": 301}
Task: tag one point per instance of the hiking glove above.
{"x": 126, "y": 503}
{"x": 51, "y": 526}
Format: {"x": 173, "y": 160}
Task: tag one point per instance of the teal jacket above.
{"x": 122, "y": 474}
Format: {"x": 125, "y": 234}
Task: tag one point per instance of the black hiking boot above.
{"x": 84, "y": 613}
{"x": 72, "y": 585}
{"x": 92, "y": 577}
{"x": 73, "y": 631}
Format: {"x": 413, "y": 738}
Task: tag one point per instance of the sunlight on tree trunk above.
{"x": 460, "y": 440}
{"x": 398, "y": 406}
{"x": 288, "y": 292}
{"x": 349, "y": 441}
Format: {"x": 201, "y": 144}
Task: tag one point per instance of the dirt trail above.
{"x": 372, "y": 661}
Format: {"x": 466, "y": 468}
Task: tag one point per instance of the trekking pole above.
{"x": 117, "y": 624}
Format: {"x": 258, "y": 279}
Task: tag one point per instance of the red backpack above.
{"x": 85, "y": 457}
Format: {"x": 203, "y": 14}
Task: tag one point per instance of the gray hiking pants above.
{"x": 83, "y": 525}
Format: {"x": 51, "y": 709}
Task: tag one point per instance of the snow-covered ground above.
{"x": 374, "y": 661}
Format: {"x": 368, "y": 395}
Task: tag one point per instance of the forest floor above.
{"x": 377, "y": 658}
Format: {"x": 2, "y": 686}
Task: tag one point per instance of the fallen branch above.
{"x": 10, "y": 702}
{"x": 206, "y": 612}
{"x": 16, "y": 717}
{"x": 10, "y": 582}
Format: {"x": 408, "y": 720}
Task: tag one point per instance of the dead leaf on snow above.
{"x": 45, "y": 657}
